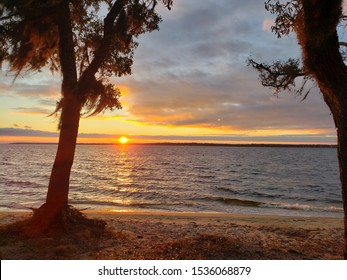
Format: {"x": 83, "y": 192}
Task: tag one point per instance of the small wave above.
{"x": 334, "y": 201}
{"x": 229, "y": 190}
{"x": 250, "y": 193}
{"x": 207, "y": 176}
{"x": 201, "y": 168}
{"x": 304, "y": 207}
{"x": 241, "y": 202}
{"x": 237, "y": 202}
{"x": 17, "y": 183}
{"x": 14, "y": 206}
{"x": 286, "y": 206}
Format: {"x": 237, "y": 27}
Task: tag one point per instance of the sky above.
{"x": 190, "y": 83}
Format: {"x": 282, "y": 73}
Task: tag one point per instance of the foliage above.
{"x": 104, "y": 46}
{"x": 285, "y": 16}
{"x": 282, "y": 75}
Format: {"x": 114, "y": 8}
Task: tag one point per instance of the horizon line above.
{"x": 187, "y": 144}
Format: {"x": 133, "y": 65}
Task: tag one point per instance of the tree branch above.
{"x": 109, "y": 33}
{"x": 66, "y": 47}
{"x": 280, "y": 75}
{"x": 104, "y": 47}
{"x": 111, "y": 17}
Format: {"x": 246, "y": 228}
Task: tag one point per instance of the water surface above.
{"x": 264, "y": 180}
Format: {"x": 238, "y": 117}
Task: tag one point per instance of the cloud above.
{"x": 193, "y": 73}
{"x": 235, "y": 138}
{"x": 33, "y": 95}
{"x": 223, "y": 101}
{"x": 39, "y": 84}
{"x": 19, "y": 127}
{"x": 32, "y": 111}
{"x": 45, "y": 90}
{"x": 26, "y": 132}
{"x": 4, "y": 88}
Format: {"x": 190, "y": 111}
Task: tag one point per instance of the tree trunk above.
{"x": 341, "y": 124}
{"x": 340, "y": 118}
{"x": 335, "y": 96}
{"x": 338, "y": 108}
{"x": 337, "y": 102}
{"x": 58, "y": 188}
{"x": 342, "y": 150}
{"x": 316, "y": 30}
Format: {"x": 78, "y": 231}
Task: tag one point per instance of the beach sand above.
{"x": 167, "y": 235}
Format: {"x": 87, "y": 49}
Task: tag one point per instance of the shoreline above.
{"x": 235, "y": 217}
{"x": 168, "y": 216}
{"x": 177, "y": 235}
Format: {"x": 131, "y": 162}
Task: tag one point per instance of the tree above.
{"x": 71, "y": 38}
{"x": 315, "y": 24}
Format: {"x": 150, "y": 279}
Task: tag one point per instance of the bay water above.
{"x": 296, "y": 181}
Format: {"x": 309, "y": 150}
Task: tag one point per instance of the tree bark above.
{"x": 318, "y": 38}
{"x": 59, "y": 181}
{"x": 58, "y": 188}
{"x": 338, "y": 108}
{"x": 342, "y": 155}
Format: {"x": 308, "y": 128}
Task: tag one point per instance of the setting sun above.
{"x": 123, "y": 140}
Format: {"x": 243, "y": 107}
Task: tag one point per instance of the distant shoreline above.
{"x": 191, "y": 144}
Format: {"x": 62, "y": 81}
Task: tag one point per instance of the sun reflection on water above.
{"x": 123, "y": 183}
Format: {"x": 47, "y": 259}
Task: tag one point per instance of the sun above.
{"x": 123, "y": 140}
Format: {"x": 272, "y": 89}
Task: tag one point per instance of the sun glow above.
{"x": 123, "y": 140}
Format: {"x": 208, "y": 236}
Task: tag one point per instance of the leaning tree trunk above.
{"x": 316, "y": 29}
{"x": 58, "y": 188}
{"x": 338, "y": 108}
{"x": 73, "y": 91}
{"x": 339, "y": 111}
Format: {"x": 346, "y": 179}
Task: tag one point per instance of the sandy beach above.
{"x": 168, "y": 235}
